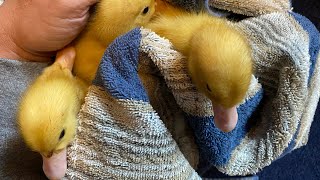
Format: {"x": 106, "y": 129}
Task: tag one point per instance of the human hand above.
{"x": 38, "y": 28}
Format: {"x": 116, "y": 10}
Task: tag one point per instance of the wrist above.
{"x": 9, "y": 49}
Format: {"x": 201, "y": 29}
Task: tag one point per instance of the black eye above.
{"x": 61, "y": 134}
{"x": 208, "y": 88}
{"x": 145, "y": 10}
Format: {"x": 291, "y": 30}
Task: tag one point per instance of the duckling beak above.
{"x": 225, "y": 119}
{"x": 55, "y": 167}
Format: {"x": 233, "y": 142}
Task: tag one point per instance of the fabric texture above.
{"x": 120, "y": 135}
{"x": 274, "y": 119}
{"x": 129, "y": 124}
{"x": 251, "y": 7}
{"x": 17, "y": 161}
{"x": 268, "y": 29}
{"x": 303, "y": 162}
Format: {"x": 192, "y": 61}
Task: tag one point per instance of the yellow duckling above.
{"x": 111, "y": 19}
{"x": 219, "y": 58}
{"x": 47, "y": 114}
{"x": 48, "y": 109}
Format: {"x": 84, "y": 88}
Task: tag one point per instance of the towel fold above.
{"x": 120, "y": 134}
{"x": 142, "y": 87}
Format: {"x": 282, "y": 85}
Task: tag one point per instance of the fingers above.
{"x": 55, "y": 167}
{"x": 66, "y": 57}
{"x": 225, "y": 119}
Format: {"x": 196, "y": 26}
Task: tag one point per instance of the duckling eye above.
{"x": 145, "y": 10}
{"x": 208, "y": 88}
{"x": 62, "y": 134}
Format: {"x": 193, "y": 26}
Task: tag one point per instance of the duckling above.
{"x": 111, "y": 19}
{"x": 47, "y": 114}
{"x": 49, "y": 107}
{"x": 219, "y": 59}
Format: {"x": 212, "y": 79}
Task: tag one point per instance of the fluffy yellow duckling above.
{"x": 51, "y": 103}
{"x": 111, "y": 19}
{"x": 47, "y": 114}
{"x": 48, "y": 109}
{"x": 219, "y": 58}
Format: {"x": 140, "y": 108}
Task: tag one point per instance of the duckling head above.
{"x": 220, "y": 65}
{"x": 47, "y": 114}
{"x": 113, "y": 18}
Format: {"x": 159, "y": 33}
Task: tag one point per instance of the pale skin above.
{"x": 35, "y": 30}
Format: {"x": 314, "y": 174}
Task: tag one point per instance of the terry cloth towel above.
{"x": 123, "y": 132}
{"x": 250, "y": 7}
{"x": 120, "y": 134}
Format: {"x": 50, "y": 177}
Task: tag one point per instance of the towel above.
{"x": 251, "y": 7}
{"x": 142, "y": 92}
{"x": 122, "y": 134}
{"x": 226, "y": 7}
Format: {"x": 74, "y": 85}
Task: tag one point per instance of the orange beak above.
{"x": 225, "y": 119}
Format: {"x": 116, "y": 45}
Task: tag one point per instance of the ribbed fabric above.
{"x": 214, "y": 144}
{"x": 251, "y": 7}
{"x": 123, "y": 139}
{"x": 284, "y": 68}
{"x": 283, "y": 65}
{"x": 123, "y": 132}
{"x": 226, "y": 7}
{"x": 121, "y": 135}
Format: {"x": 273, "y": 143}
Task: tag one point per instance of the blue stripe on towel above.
{"x": 117, "y": 72}
{"x": 314, "y": 38}
{"x": 216, "y": 145}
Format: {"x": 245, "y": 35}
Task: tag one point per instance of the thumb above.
{"x": 65, "y": 57}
